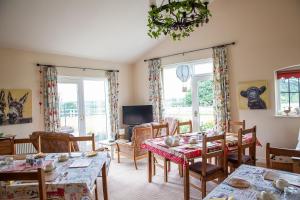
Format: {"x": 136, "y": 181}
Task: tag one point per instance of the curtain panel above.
{"x": 221, "y": 87}
{"x": 50, "y": 98}
{"x": 155, "y": 88}
{"x": 113, "y": 97}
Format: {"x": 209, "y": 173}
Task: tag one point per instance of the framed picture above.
{"x": 15, "y": 106}
{"x": 253, "y": 95}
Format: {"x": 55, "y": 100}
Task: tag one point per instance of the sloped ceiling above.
{"x": 110, "y": 30}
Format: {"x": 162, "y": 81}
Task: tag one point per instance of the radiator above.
{"x": 25, "y": 148}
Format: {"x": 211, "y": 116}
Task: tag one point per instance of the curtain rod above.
{"x": 82, "y": 68}
{"x": 182, "y": 53}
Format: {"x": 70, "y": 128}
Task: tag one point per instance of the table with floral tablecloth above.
{"x": 62, "y": 183}
{"x": 255, "y": 176}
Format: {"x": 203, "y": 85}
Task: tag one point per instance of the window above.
{"x": 83, "y": 106}
{"x": 191, "y": 100}
{"x": 288, "y": 91}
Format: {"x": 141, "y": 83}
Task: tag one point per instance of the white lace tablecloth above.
{"x": 255, "y": 175}
{"x": 71, "y": 183}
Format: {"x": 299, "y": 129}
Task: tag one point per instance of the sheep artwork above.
{"x": 15, "y": 106}
{"x": 253, "y": 95}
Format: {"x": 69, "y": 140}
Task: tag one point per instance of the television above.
{"x": 135, "y": 115}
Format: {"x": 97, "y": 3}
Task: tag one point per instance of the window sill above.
{"x": 287, "y": 116}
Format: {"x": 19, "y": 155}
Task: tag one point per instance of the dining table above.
{"x": 185, "y": 152}
{"x": 73, "y": 178}
{"x": 260, "y": 180}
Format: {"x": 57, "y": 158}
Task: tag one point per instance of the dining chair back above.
{"x": 53, "y": 142}
{"x": 212, "y": 147}
{"x": 157, "y": 130}
{"x": 7, "y": 146}
{"x": 281, "y": 158}
{"x": 38, "y": 175}
{"x": 88, "y": 138}
{"x": 181, "y": 125}
{"x": 172, "y": 125}
{"x": 235, "y": 159}
{"x": 24, "y": 146}
{"x": 235, "y": 126}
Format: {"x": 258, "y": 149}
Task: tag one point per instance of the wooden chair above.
{"x": 133, "y": 149}
{"x": 7, "y": 146}
{"x": 166, "y": 166}
{"x": 281, "y": 158}
{"x": 205, "y": 171}
{"x": 235, "y": 126}
{"x": 235, "y": 159}
{"x": 53, "y": 142}
{"x": 38, "y": 176}
{"x": 88, "y": 138}
{"x": 183, "y": 124}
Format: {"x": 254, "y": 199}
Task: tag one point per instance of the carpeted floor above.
{"x": 126, "y": 183}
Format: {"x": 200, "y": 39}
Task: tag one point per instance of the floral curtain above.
{"x": 50, "y": 96}
{"x": 113, "y": 96}
{"x": 221, "y": 87}
{"x": 155, "y": 88}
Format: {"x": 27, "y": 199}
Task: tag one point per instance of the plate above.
{"x": 238, "y": 183}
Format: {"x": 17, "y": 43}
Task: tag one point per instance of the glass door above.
{"x": 83, "y": 106}
{"x": 202, "y": 102}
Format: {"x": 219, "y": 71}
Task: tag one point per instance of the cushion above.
{"x": 233, "y": 158}
{"x": 210, "y": 169}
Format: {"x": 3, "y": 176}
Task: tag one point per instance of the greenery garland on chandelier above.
{"x": 177, "y": 18}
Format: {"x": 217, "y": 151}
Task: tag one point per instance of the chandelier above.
{"x": 176, "y": 18}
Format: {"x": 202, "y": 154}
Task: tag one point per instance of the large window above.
{"x": 288, "y": 91}
{"x": 83, "y": 106}
{"x": 193, "y": 99}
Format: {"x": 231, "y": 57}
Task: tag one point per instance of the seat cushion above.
{"x": 233, "y": 158}
{"x": 210, "y": 169}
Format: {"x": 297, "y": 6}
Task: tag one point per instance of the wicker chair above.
{"x": 133, "y": 150}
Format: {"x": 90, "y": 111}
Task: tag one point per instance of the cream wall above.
{"x": 267, "y": 37}
{"x": 18, "y": 70}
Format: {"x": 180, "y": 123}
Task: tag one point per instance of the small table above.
{"x": 111, "y": 145}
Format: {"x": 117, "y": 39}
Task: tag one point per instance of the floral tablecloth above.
{"x": 66, "y": 183}
{"x": 185, "y": 151}
{"x": 255, "y": 175}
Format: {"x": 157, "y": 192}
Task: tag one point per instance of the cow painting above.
{"x": 15, "y": 108}
{"x": 253, "y": 97}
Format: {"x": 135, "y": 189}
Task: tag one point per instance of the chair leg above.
{"x": 153, "y": 165}
{"x": 166, "y": 170}
{"x": 180, "y": 169}
{"x": 203, "y": 188}
{"x": 135, "y": 164}
{"x": 118, "y": 156}
{"x": 169, "y": 166}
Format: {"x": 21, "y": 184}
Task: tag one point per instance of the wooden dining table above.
{"x": 66, "y": 181}
{"x": 185, "y": 152}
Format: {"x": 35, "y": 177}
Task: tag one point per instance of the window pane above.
{"x": 294, "y": 85}
{"x": 203, "y": 68}
{"x": 283, "y": 85}
{"x": 294, "y": 100}
{"x": 284, "y": 101}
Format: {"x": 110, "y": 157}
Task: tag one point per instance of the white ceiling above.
{"x": 111, "y": 30}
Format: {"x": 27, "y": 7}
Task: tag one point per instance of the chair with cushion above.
{"x": 235, "y": 159}
{"x": 53, "y": 142}
{"x": 157, "y": 130}
{"x": 205, "y": 171}
{"x": 281, "y": 158}
{"x": 25, "y": 176}
{"x": 235, "y": 126}
{"x": 133, "y": 149}
{"x": 180, "y": 127}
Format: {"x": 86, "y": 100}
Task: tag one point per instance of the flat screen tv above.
{"x": 135, "y": 115}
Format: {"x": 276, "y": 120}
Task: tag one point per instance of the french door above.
{"x": 83, "y": 106}
{"x": 202, "y": 102}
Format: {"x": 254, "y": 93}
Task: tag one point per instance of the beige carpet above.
{"x": 126, "y": 183}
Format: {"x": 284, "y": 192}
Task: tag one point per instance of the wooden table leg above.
{"x": 104, "y": 182}
{"x": 186, "y": 181}
{"x": 149, "y": 166}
